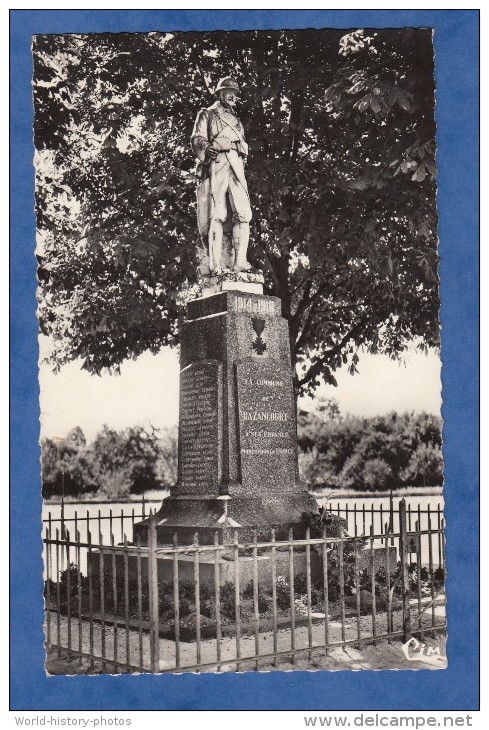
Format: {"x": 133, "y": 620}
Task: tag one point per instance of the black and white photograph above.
{"x": 239, "y": 334}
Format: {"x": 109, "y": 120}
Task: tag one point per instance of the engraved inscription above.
{"x": 264, "y": 416}
{"x": 255, "y": 306}
{"x": 267, "y": 427}
{"x": 200, "y": 427}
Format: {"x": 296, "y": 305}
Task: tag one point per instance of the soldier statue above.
{"x": 218, "y": 143}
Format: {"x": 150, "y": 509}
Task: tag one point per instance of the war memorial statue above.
{"x": 220, "y": 147}
{"x": 237, "y": 452}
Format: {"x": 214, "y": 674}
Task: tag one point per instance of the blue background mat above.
{"x": 457, "y": 112}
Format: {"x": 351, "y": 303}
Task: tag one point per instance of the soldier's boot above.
{"x": 215, "y": 247}
{"x": 241, "y": 237}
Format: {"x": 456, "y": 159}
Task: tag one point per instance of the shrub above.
{"x": 208, "y": 608}
{"x": 133, "y": 598}
{"x": 334, "y": 574}
{"x": 283, "y": 593}
{"x": 333, "y": 592}
{"x": 228, "y": 607}
{"x": 264, "y": 602}
{"x": 381, "y": 599}
{"x": 186, "y": 607}
{"x": 300, "y": 605}
{"x": 366, "y": 603}
{"x": 186, "y": 590}
{"x": 248, "y": 591}
{"x": 317, "y": 521}
{"x": 264, "y": 598}
{"x": 439, "y": 576}
{"x": 300, "y": 584}
{"x": 165, "y": 597}
{"x": 317, "y": 596}
{"x": 188, "y": 628}
{"x": 73, "y": 578}
{"x": 72, "y": 570}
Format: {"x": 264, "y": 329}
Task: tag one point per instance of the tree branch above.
{"x": 322, "y": 360}
{"x": 325, "y": 312}
{"x": 197, "y": 62}
{"x": 312, "y": 312}
{"x": 303, "y": 304}
{"x": 268, "y": 261}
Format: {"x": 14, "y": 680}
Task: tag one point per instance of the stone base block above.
{"x": 205, "y": 516}
{"x": 380, "y": 558}
{"x": 243, "y": 281}
{"x": 207, "y": 567}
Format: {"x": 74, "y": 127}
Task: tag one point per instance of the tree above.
{"x": 114, "y": 464}
{"x": 387, "y": 451}
{"x": 167, "y": 464}
{"x": 122, "y": 461}
{"x": 425, "y": 463}
{"x": 50, "y": 467}
{"x": 61, "y": 464}
{"x": 327, "y": 409}
{"x": 315, "y": 469}
{"x": 377, "y": 474}
{"x": 76, "y": 437}
{"x": 351, "y": 475}
{"x": 341, "y": 177}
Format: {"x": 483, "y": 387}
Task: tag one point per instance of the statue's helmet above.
{"x": 227, "y": 84}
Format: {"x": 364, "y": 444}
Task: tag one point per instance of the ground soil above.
{"x": 130, "y": 647}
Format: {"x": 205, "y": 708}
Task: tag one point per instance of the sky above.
{"x": 147, "y": 392}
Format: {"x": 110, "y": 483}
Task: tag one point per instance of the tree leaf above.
{"x": 374, "y": 105}
{"x": 359, "y": 86}
{"x": 363, "y": 103}
{"x": 403, "y": 101}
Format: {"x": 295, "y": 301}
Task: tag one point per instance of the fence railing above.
{"x": 362, "y": 518}
{"x": 123, "y": 607}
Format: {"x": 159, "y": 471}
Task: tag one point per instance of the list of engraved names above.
{"x": 199, "y": 426}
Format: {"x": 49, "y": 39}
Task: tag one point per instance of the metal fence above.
{"x": 122, "y": 607}
{"x": 104, "y": 520}
{"x": 362, "y": 518}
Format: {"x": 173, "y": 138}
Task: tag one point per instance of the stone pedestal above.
{"x": 237, "y": 465}
{"x": 137, "y": 560}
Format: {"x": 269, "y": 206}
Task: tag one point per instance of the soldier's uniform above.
{"x": 222, "y": 179}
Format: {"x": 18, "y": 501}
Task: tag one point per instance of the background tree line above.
{"x": 372, "y": 454}
{"x": 383, "y": 452}
{"x": 114, "y": 465}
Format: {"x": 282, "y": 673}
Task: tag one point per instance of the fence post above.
{"x": 404, "y": 555}
{"x": 154, "y": 633}
{"x": 63, "y": 516}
